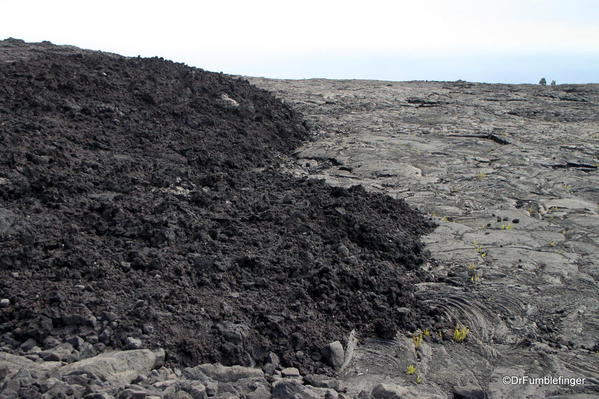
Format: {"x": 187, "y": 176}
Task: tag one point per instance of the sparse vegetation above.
{"x": 417, "y": 339}
{"x": 411, "y": 369}
{"x": 543, "y": 82}
{"x": 473, "y": 273}
{"x": 479, "y": 249}
{"x": 460, "y": 333}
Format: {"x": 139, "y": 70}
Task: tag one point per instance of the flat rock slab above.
{"x": 13, "y": 363}
{"x": 117, "y": 368}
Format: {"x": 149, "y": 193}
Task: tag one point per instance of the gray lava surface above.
{"x": 511, "y": 174}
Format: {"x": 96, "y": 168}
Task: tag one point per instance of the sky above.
{"x": 501, "y": 41}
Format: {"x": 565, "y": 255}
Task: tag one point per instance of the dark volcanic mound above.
{"x": 141, "y": 198}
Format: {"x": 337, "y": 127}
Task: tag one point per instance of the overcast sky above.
{"x": 510, "y": 41}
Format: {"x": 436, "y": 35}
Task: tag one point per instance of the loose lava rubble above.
{"x": 141, "y": 200}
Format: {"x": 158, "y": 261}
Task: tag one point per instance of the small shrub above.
{"x": 543, "y": 82}
{"x": 417, "y": 339}
{"x": 460, "y": 333}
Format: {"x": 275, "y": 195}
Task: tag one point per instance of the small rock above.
{"x": 235, "y": 333}
{"x": 99, "y": 347}
{"x": 164, "y": 384}
{"x": 77, "y": 342}
{"x": 273, "y": 359}
{"x": 290, "y": 372}
{"x": 363, "y": 395}
{"x": 4, "y": 303}
{"x": 322, "y": 381}
{"x": 228, "y": 101}
{"x": 331, "y": 395}
{"x": 10, "y": 389}
{"x": 110, "y": 316}
{"x": 211, "y": 388}
{"x": 92, "y": 339}
{"x": 86, "y": 350}
{"x": 133, "y": 343}
{"x": 81, "y": 316}
{"x": 178, "y": 395}
{"x": 63, "y": 390}
{"x": 131, "y": 393}
{"x": 148, "y": 329}
{"x": 469, "y": 392}
{"x": 403, "y": 311}
{"x": 23, "y": 374}
{"x": 58, "y": 353}
{"x": 269, "y": 368}
{"x": 334, "y": 354}
{"x": 390, "y": 391}
{"x": 196, "y": 390}
{"x": 105, "y": 335}
{"x": 343, "y": 250}
{"x": 98, "y": 395}
{"x": 139, "y": 379}
{"x": 28, "y": 345}
{"x": 50, "y": 342}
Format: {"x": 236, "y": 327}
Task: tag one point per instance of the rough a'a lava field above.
{"x": 142, "y": 198}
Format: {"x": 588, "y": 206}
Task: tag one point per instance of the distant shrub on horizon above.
{"x": 543, "y": 82}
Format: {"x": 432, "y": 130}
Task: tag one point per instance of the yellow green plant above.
{"x": 418, "y": 379}
{"x": 427, "y": 332}
{"x": 481, "y": 175}
{"x": 460, "y": 333}
{"x": 506, "y": 226}
{"x": 417, "y": 339}
{"x": 411, "y": 369}
{"x": 474, "y": 274}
